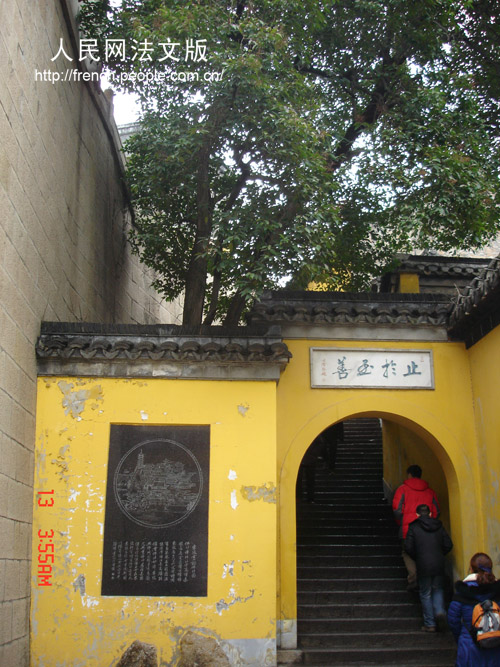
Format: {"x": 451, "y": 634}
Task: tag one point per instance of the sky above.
{"x": 125, "y": 107}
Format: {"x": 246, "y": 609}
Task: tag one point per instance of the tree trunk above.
{"x": 196, "y": 278}
{"x": 236, "y": 307}
{"x": 196, "y": 281}
{"x": 214, "y": 299}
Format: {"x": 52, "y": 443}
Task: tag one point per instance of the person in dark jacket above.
{"x": 413, "y": 492}
{"x": 427, "y": 542}
{"x": 478, "y": 586}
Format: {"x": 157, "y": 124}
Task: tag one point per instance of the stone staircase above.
{"x": 353, "y": 606}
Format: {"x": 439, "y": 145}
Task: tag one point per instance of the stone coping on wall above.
{"x": 437, "y": 273}
{"x": 348, "y": 309}
{"x": 477, "y": 309}
{"x": 439, "y": 265}
{"x": 161, "y": 351}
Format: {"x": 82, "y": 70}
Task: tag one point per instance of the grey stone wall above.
{"x": 63, "y": 255}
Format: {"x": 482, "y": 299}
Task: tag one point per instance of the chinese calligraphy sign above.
{"x": 372, "y": 369}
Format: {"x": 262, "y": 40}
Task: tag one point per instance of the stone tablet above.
{"x": 156, "y": 519}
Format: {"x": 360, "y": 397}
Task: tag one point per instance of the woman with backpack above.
{"x": 465, "y": 615}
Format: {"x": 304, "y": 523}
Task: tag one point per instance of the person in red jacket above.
{"x": 413, "y": 492}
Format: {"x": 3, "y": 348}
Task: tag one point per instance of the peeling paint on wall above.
{"x": 267, "y": 493}
{"x": 74, "y": 402}
{"x": 62, "y": 461}
{"x": 73, "y": 441}
{"x": 73, "y": 495}
{"x": 251, "y": 652}
{"x": 222, "y": 605}
{"x": 243, "y": 409}
{"x": 79, "y": 584}
{"x": 40, "y": 460}
{"x": 494, "y": 483}
{"x": 228, "y": 569}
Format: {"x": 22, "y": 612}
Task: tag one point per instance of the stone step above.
{"x": 348, "y": 550}
{"x": 362, "y": 475}
{"x": 358, "y": 455}
{"x": 355, "y": 498}
{"x": 353, "y": 484}
{"x": 371, "y": 449}
{"x": 360, "y": 523}
{"x": 353, "y": 506}
{"x": 426, "y": 655}
{"x": 330, "y": 614}
{"x": 331, "y": 585}
{"x": 348, "y": 469}
{"x": 363, "y": 638}
{"x": 363, "y": 437}
{"x": 352, "y": 464}
{"x": 315, "y": 511}
{"x": 373, "y": 490}
{"x": 367, "y": 572}
{"x": 341, "y": 540}
{"x": 369, "y": 529}
{"x": 340, "y": 596}
{"x": 338, "y": 561}
{"x": 353, "y": 606}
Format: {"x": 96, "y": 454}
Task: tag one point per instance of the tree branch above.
{"x": 214, "y": 298}
{"x": 377, "y": 105}
{"x": 288, "y": 215}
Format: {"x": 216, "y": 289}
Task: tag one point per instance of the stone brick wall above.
{"x": 63, "y": 254}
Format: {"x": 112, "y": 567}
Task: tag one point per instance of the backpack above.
{"x": 486, "y": 624}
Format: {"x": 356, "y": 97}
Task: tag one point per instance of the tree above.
{"x": 311, "y": 139}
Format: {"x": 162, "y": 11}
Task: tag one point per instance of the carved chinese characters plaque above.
{"x": 355, "y": 368}
{"x": 156, "y": 520}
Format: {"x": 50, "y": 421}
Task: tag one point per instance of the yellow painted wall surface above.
{"x": 71, "y": 623}
{"x": 409, "y": 283}
{"x": 442, "y": 418}
{"x": 402, "y": 448}
{"x": 451, "y": 431}
{"x": 485, "y": 366}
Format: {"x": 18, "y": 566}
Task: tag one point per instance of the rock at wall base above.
{"x": 139, "y": 654}
{"x": 200, "y": 651}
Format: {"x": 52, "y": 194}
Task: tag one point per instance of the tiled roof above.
{"x": 477, "y": 310}
{"x": 351, "y": 308}
{"x": 120, "y": 346}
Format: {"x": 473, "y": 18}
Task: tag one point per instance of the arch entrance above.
{"x": 377, "y": 465}
{"x": 348, "y": 554}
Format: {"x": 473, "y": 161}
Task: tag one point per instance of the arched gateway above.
{"x": 236, "y": 412}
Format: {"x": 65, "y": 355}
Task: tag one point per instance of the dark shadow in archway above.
{"x": 321, "y": 454}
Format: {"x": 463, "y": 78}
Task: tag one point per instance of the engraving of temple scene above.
{"x": 163, "y": 485}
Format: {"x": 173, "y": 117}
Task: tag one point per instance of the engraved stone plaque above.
{"x": 156, "y": 519}
{"x": 356, "y": 368}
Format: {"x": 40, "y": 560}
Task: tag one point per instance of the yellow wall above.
{"x": 402, "y": 448}
{"x": 442, "y": 418}
{"x": 73, "y": 628}
{"x": 485, "y": 368}
{"x": 251, "y": 575}
{"x": 409, "y": 283}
